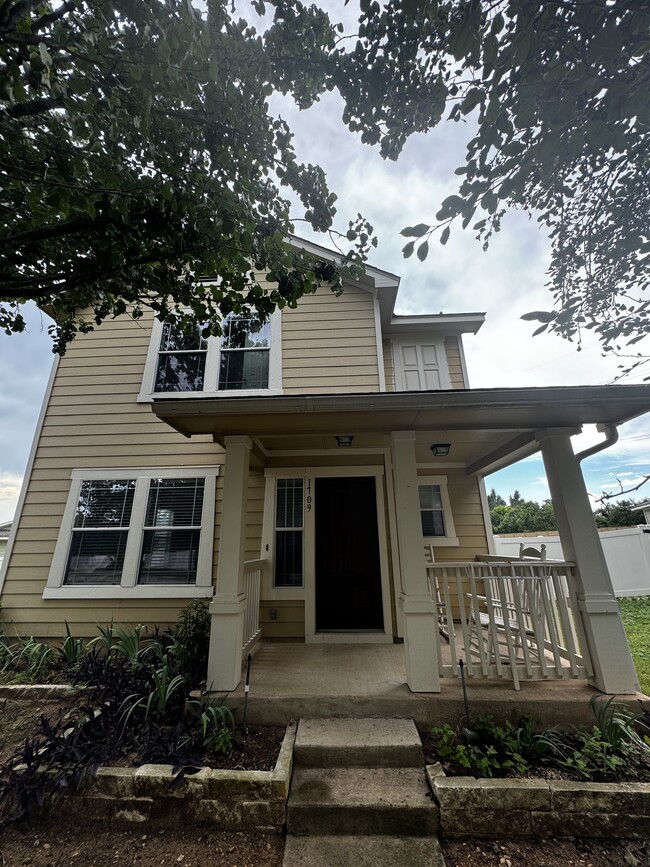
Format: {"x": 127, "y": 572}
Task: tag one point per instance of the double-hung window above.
{"x": 136, "y": 533}
{"x": 246, "y": 358}
{"x": 435, "y": 511}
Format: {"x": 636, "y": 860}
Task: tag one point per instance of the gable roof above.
{"x": 386, "y": 286}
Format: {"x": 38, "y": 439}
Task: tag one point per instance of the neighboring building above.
{"x": 293, "y": 472}
{"x": 644, "y": 508}
{"x": 4, "y": 536}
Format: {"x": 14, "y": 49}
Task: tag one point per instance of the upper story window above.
{"x": 181, "y": 360}
{"x": 245, "y": 352}
{"x": 247, "y": 358}
{"x": 420, "y": 364}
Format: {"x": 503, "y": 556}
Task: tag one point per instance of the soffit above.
{"x": 487, "y": 428}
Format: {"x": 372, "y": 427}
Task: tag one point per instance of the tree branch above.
{"x": 608, "y": 495}
{"x": 51, "y": 17}
{"x": 34, "y": 107}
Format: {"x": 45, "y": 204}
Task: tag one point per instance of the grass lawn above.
{"x": 636, "y": 619}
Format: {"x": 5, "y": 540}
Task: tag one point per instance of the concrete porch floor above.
{"x": 294, "y": 680}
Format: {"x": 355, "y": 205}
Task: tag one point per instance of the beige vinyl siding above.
{"x": 389, "y": 365}
{"x": 329, "y": 344}
{"x": 93, "y": 421}
{"x": 452, "y": 352}
{"x": 289, "y": 621}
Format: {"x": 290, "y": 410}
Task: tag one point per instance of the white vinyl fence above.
{"x": 627, "y": 552}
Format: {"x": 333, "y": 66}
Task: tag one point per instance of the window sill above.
{"x": 148, "y": 397}
{"x": 113, "y": 591}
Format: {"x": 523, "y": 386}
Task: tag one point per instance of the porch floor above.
{"x": 293, "y": 680}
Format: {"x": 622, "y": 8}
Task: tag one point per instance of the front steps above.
{"x": 359, "y": 796}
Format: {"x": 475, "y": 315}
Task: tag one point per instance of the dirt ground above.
{"x": 546, "y": 853}
{"x": 51, "y": 846}
{"x": 54, "y": 846}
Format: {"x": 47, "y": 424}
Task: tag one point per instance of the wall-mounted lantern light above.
{"x": 440, "y": 450}
{"x": 344, "y": 442}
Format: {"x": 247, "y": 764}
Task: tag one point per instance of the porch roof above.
{"x": 511, "y": 415}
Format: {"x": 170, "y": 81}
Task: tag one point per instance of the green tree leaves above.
{"x": 138, "y": 154}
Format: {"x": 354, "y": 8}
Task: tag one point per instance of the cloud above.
{"x": 9, "y": 492}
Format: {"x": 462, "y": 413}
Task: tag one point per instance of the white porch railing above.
{"x": 511, "y": 619}
{"x": 252, "y": 581}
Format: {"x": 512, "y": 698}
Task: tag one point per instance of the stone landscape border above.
{"x": 512, "y": 808}
{"x": 226, "y": 799}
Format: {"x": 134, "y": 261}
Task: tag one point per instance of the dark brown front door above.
{"x": 348, "y": 577}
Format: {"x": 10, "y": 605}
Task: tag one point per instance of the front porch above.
{"x": 518, "y": 625}
{"x": 293, "y": 680}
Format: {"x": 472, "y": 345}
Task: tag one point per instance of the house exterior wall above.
{"x": 452, "y": 353}
{"x": 94, "y": 420}
{"x": 330, "y": 344}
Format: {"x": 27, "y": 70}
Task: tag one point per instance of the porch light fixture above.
{"x": 344, "y": 442}
{"x": 440, "y": 450}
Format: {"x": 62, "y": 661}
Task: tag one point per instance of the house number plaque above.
{"x": 309, "y": 495}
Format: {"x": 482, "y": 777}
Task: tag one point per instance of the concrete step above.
{"x": 363, "y": 852}
{"x": 358, "y": 743}
{"x": 391, "y": 801}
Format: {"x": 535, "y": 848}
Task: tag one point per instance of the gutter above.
{"x": 611, "y": 438}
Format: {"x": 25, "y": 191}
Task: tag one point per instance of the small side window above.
{"x": 432, "y": 513}
{"x": 289, "y": 533}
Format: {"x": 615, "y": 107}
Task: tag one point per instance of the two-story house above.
{"x": 294, "y": 472}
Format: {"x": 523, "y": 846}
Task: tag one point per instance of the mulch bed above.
{"x": 632, "y": 772}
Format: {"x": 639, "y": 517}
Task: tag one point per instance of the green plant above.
{"x": 72, "y": 649}
{"x": 191, "y": 641}
{"x": 155, "y": 705}
{"x": 128, "y": 642}
{"x": 616, "y": 724}
{"x": 593, "y": 758}
{"x": 217, "y": 725}
{"x": 105, "y": 638}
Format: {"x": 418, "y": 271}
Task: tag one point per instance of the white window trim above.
{"x": 269, "y": 590}
{"x": 438, "y": 342}
{"x": 211, "y": 375}
{"x": 450, "y": 539}
{"x": 129, "y": 588}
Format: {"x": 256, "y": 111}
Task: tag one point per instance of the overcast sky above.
{"x": 504, "y": 282}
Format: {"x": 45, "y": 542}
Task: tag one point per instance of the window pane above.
{"x": 183, "y": 372}
{"x": 105, "y": 503}
{"x": 288, "y": 558}
{"x": 169, "y": 557}
{"x": 175, "y": 503}
{"x": 433, "y": 523}
{"x": 244, "y": 369}
{"x": 173, "y": 339}
{"x": 430, "y": 497}
{"x": 96, "y": 557}
{"x": 245, "y": 333}
{"x": 289, "y": 503}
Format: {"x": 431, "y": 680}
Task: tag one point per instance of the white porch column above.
{"x": 601, "y": 619}
{"x": 418, "y": 608}
{"x": 229, "y": 603}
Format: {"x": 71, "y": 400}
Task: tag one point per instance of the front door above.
{"x": 348, "y": 576}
